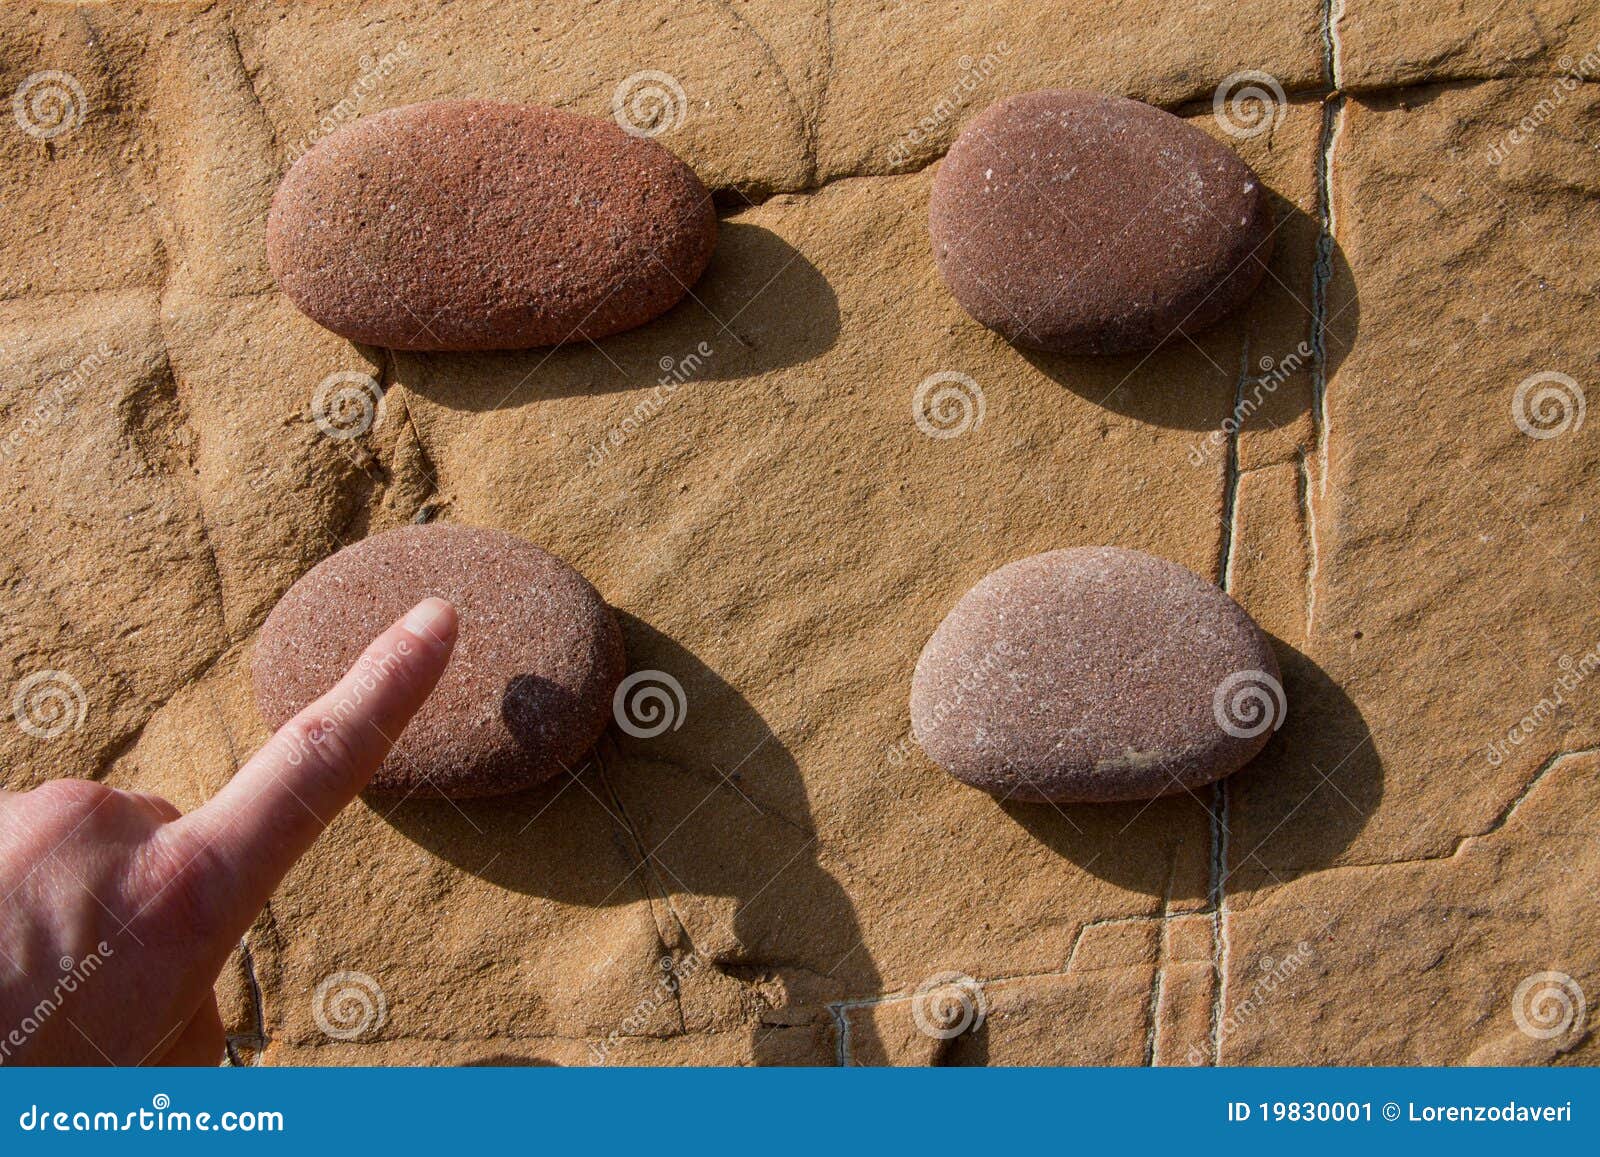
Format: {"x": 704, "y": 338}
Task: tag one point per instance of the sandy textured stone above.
{"x": 902, "y": 86}
{"x": 780, "y": 1047}
{"x": 1073, "y": 1019}
{"x": 1076, "y": 222}
{"x": 1471, "y": 319}
{"x": 1384, "y": 45}
{"x": 215, "y": 173}
{"x": 1446, "y": 971}
{"x": 539, "y": 227}
{"x": 76, "y": 144}
{"x": 1477, "y": 858}
{"x": 782, "y": 536}
{"x": 318, "y": 68}
{"x": 529, "y": 685}
{"x": 95, "y": 473}
{"x": 1094, "y": 674}
{"x": 279, "y": 493}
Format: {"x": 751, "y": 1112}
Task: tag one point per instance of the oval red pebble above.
{"x": 1083, "y": 223}
{"x": 473, "y": 225}
{"x": 1095, "y": 674}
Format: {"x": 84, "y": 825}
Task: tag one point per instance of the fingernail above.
{"x": 432, "y": 618}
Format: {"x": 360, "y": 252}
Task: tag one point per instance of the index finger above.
{"x": 251, "y": 833}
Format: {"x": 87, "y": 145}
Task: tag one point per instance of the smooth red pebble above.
{"x": 1077, "y": 222}
{"x": 475, "y": 225}
{"x": 1095, "y": 674}
{"x": 528, "y": 689}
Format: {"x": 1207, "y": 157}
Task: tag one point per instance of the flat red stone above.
{"x": 528, "y": 690}
{"x": 1095, "y": 674}
{"x": 472, "y": 225}
{"x": 1083, "y": 223}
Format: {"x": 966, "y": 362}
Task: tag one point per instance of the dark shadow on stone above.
{"x": 712, "y": 807}
{"x": 969, "y": 1050}
{"x": 1308, "y": 795}
{"x": 1291, "y": 810}
{"x": 1179, "y": 386}
{"x": 760, "y": 306}
{"x": 529, "y": 699}
{"x": 1133, "y": 845}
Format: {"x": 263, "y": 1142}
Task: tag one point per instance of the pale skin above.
{"x": 117, "y": 912}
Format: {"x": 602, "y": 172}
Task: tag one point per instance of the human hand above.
{"x": 117, "y": 912}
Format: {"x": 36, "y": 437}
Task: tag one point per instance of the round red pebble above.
{"x": 1077, "y": 222}
{"x": 1095, "y": 674}
{"x": 528, "y": 689}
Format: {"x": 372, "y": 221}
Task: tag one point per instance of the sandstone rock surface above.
{"x": 779, "y": 533}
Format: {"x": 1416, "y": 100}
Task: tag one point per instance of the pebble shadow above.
{"x": 719, "y": 807}
{"x": 1179, "y": 386}
{"x": 1292, "y": 810}
{"x": 760, "y": 306}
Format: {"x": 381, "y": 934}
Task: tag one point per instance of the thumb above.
{"x": 250, "y": 834}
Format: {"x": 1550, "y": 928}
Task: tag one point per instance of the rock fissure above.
{"x": 839, "y": 1009}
